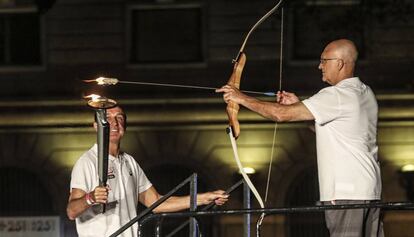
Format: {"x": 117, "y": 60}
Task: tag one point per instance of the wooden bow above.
{"x": 235, "y": 78}
{"x": 233, "y": 108}
{"x": 234, "y": 127}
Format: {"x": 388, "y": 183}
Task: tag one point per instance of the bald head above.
{"x": 344, "y": 49}
{"x": 338, "y": 61}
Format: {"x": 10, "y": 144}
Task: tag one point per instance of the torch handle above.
{"x": 103, "y": 205}
{"x": 103, "y": 148}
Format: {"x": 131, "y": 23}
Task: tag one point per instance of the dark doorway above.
{"x": 23, "y": 194}
{"x": 305, "y": 192}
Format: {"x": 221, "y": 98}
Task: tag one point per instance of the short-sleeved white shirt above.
{"x": 346, "y": 129}
{"x": 126, "y": 180}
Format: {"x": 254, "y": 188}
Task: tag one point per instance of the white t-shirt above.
{"x": 346, "y": 129}
{"x": 125, "y": 180}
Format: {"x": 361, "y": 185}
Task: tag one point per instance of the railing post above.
{"x": 158, "y": 227}
{"x": 246, "y": 205}
{"x": 139, "y": 230}
{"x": 193, "y": 205}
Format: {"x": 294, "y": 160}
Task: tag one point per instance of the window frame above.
{"x": 128, "y": 35}
{"x": 42, "y": 40}
{"x": 291, "y": 32}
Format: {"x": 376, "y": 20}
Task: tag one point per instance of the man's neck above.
{"x": 343, "y": 77}
{"x": 114, "y": 149}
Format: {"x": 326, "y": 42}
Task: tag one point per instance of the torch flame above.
{"x": 100, "y": 80}
{"x": 100, "y": 102}
{"x": 104, "y": 81}
{"x": 93, "y": 97}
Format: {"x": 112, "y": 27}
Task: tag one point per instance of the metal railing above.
{"x": 193, "y": 205}
{"x": 193, "y": 232}
{"x": 246, "y": 202}
{"x": 402, "y": 206}
{"x": 147, "y": 216}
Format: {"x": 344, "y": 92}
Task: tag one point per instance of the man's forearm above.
{"x": 278, "y": 112}
{"x": 269, "y": 110}
{"x": 76, "y": 207}
{"x": 174, "y": 203}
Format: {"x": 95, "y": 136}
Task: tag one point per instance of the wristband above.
{"x": 89, "y": 199}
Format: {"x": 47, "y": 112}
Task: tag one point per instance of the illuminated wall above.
{"x": 50, "y": 144}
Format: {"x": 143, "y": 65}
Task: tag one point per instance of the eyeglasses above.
{"x": 324, "y": 60}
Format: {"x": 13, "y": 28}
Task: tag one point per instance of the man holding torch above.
{"x": 126, "y": 185}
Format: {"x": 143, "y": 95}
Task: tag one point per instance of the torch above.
{"x": 100, "y": 104}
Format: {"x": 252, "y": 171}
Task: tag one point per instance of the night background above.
{"x": 47, "y": 49}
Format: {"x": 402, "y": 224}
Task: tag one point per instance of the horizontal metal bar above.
{"x": 385, "y": 206}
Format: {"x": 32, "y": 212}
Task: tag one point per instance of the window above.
{"x": 316, "y": 23}
{"x": 20, "y": 43}
{"x": 165, "y": 34}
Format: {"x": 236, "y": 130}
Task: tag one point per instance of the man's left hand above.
{"x": 231, "y": 94}
{"x": 219, "y": 197}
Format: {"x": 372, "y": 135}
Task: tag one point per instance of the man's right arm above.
{"x": 178, "y": 203}
{"x": 272, "y": 110}
{"x": 78, "y": 200}
{"x": 77, "y": 203}
{"x": 278, "y": 112}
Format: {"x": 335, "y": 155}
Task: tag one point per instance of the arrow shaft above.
{"x": 191, "y": 87}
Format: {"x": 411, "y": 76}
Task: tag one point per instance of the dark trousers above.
{"x": 354, "y": 222}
